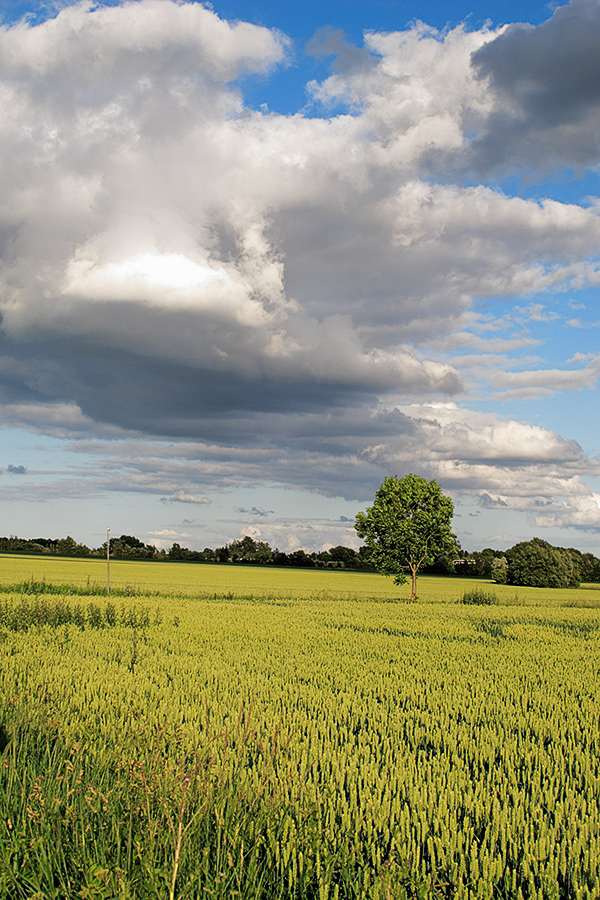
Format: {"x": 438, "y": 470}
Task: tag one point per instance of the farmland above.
{"x": 206, "y": 580}
{"x": 298, "y": 737}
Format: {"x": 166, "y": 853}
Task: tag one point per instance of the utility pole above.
{"x": 108, "y": 560}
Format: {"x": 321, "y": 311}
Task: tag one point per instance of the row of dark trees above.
{"x": 246, "y": 551}
{"x": 125, "y": 547}
{"x": 536, "y": 563}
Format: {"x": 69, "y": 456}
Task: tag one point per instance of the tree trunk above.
{"x": 413, "y": 595}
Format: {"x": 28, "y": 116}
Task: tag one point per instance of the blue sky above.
{"x": 254, "y": 257}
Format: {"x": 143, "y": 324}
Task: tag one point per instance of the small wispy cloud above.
{"x": 537, "y": 312}
{"x": 184, "y": 497}
{"x": 582, "y": 357}
{"x": 169, "y": 533}
{"x": 577, "y": 323}
{"x": 255, "y": 511}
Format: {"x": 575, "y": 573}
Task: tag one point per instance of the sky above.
{"x": 255, "y": 257}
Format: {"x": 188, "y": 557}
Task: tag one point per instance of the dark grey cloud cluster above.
{"x": 548, "y": 84}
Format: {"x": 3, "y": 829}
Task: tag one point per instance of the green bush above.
{"x": 480, "y": 597}
{"x": 536, "y": 563}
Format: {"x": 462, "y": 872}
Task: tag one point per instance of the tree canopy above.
{"x": 408, "y": 526}
{"x": 537, "y": 563}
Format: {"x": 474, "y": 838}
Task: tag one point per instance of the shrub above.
{"x": 479, "y": 596}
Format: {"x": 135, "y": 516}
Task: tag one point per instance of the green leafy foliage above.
{"x": 408, "y": 526}
{"x": 537, "y": 563}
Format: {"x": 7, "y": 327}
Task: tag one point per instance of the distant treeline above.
{"x": 246, "y": 551}
{"x": 534, "y": 562}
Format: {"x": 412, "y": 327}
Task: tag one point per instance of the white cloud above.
{"x": 164, "y": 538}
{"x": 168, "y": 532}
{"x": 472, "y": 436}
{"x": 577, "y": 323}
{"x": 502, "y": 463}
{"x": 130, "y": 35}
{"x": 170, "y": 270}
{"x": 544, "y": 382}
{"x": 302, "y": 534}
{"x": 582, "y": 513}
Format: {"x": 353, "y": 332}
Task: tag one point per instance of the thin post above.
{"x": 108, "y": 560}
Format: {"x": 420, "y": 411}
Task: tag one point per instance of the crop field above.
{"x": 269, "y": 746}
{"x": 206, "y": 580}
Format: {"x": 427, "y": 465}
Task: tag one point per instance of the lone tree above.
{"x": 407, "y": 527}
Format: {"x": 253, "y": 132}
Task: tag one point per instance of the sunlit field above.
{"x": 288, "y": 741}
{"x": 207, "y": 580}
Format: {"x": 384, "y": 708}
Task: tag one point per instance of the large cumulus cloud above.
{"x": 177, "y": 265}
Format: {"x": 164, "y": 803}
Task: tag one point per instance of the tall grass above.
{"x": 32, "y": 586}
{"x": 146, "y": 819}
{"x": 39, "y": 612}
